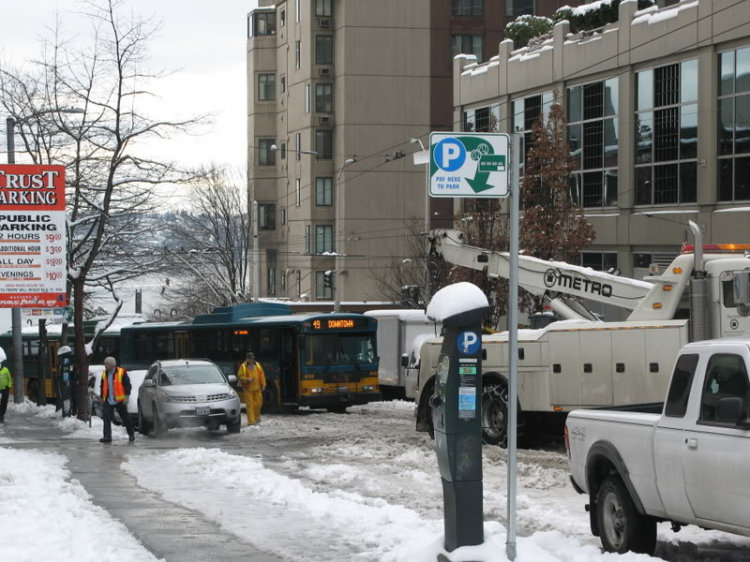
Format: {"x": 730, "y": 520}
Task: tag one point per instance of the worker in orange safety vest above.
{"x": 115, "y": 393}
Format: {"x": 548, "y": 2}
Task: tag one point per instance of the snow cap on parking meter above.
{"x": 458, "y": 305}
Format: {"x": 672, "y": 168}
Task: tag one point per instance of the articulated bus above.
{"x": 314, "y": 360}
{"x": 107, "y": 344}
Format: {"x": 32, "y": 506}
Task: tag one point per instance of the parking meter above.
{"x": 65, "y": 380}
{"x": 456, "y": 416}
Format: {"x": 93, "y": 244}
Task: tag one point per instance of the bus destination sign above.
{"x": 334, "y": 324}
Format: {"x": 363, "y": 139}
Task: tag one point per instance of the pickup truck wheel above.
{"x": 622, "y": 528}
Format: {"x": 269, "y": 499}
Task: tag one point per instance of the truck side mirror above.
{"x": 742, "y": 293}
{"x": 730, "y": 410}
{"x": 405, "y": 360}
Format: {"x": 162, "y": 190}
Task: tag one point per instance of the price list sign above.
{"x": 32, "y": 236}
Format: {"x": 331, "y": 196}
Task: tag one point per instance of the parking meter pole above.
{"x": 456, "y": 406}
{"x": 513, "y": 348}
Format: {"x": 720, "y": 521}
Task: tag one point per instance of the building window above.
{"x": 593, "y": 138}
{"x": 271, "y": 281}
{"x": 666, "y": 134}
{"x": 307, "y": 98}
{"x": 324, "y": 98}
{"x": 298, "y": 145}
{"x": 517, "y": 8}
{"x": 283, "y": 216}
{"x": 466, "y": 7}
{"x": 266, "y": 87}
{"x": 323, "y": 8}
{"x": 323, "y": 292}
{"x": 600, "y": 261}
{"x": 283, "y": 18}
{"x": 323, "y": 49}
{"x": 297, "y": 11}
{"x": 282, "y": 279}
{"x": 298, "y": 283}
{"x": 734, "y": 125}
{"x": 283, "y": 84}
{"x": 297, "y": 54}
{"x": 308, "y": 239}
{"x": 323, "y": 188}
{"x": 267, "y": 216}
{"x": 467, "y": 45}
{"x": 324, "y": 144}
{"x": 524, "y": 113}
{"x": 482, "y": 119}
{"x": 297, "y": 192}
{"x": 265, "y": 23}
{"x": 266, "y": 156}
{"x": 283, "y": 151}
{"x": 323, "y": 239}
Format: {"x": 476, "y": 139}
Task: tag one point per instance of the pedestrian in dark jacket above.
{"x": 115, "y": 393}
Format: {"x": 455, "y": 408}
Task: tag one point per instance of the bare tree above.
{"x": 81, "y": 105}
{"x": 208, "y": 246}
{"x": 407, "y": 279}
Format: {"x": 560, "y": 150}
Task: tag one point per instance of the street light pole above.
{"x": 339, "y": 237}
{"x": 423, "y": 157}
{"x": 17, "y": 339}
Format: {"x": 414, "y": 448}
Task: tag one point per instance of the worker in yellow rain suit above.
{"x": 253, "y": 382}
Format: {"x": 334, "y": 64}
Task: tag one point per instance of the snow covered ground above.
{"x": 314, "y": 486}
{"x": 46, "y": 516}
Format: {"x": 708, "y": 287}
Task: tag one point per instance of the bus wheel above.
{"x": 32, "y": 390}
{"x": 336, "y": 409}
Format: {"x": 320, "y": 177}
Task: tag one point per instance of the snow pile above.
{"x": 455, "y": 299}
{"x": 36, "y": 496}
{"x": 29, "y": 407}
{"x": 652, "y": 16}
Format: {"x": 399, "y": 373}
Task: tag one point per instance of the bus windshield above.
{"x": 339, "y": 349}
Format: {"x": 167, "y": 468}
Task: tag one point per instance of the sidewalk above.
{"x": 168, "y": 531}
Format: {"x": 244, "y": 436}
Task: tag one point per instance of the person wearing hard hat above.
{"x": 6, "y": 383}
{"x": 252, "y": 379}
{"x": 115, "y": 393}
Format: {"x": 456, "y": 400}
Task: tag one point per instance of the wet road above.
{"x": 168, "y": 531}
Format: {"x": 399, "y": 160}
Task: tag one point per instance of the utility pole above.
{"x": 339, "y": 239}
{"x": 256, "y": 254}
{"x": 15, "y": 311}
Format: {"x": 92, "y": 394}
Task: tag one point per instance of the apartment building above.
{"x": 658, "y": 112}
{"x": 336, "y": 91}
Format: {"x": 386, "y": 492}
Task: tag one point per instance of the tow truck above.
{"x": 580, "y": 361}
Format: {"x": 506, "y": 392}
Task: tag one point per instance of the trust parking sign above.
{"x": 469, "y": 164}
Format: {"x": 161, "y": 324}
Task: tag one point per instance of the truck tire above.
{"x": 621, "y": 528}
{"x": 495, "y": 413}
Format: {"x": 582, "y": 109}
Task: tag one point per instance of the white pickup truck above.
{"x": 689, "y": 465}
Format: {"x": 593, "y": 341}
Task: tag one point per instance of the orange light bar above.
{"x": 690, "y": 248}
{"x": 657, "y": 305}
{"x": 667, "y": 288}
{"x": 557, "y": 408}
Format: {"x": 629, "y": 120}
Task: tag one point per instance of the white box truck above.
{"x": 401, "y": 334}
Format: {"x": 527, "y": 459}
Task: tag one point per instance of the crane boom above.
{"x": 541, "y": 277}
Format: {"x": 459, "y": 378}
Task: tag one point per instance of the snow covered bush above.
{"x": 524, "y": 28}
{"x": 588, "y": 17}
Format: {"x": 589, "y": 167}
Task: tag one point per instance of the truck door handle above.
{"x": 691, "y": 443}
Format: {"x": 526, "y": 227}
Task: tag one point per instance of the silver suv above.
{"x": 186, "y": 393}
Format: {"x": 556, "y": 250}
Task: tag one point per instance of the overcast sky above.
{"x": 204, "y": 40}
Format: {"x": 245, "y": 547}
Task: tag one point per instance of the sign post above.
{"x": 478, "y": 165}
